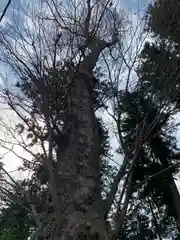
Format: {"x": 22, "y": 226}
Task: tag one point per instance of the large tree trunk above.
{"x": 79, "y": 180}
{"x": 78, "y": 169}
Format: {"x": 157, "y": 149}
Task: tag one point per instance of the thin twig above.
{"x": 5, "y": 10}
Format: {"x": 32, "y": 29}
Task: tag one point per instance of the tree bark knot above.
{"x": 86, "y": 226}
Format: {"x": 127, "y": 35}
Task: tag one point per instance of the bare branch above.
{"x": 5, "y": 10}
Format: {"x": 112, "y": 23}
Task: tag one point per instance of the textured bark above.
{"x": 78, "y": 169}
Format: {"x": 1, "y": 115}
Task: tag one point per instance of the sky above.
{"x": 135, "y": 4}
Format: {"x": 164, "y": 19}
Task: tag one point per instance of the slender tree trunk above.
{"x": 158, "y": 230}
{"x": 175, "y": 195}
{"x": 176, "y": 199}
{"x": 121, "y": 216}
